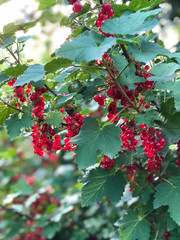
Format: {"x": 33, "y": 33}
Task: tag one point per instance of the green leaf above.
{"x": 22, "y": 187}
{"x": 63, "y": 100}
{"x": 3, "y": 79}
{"x": 66, "y": 73}
{"x": 174, "y": 88}
{"x": 33, "y": 73}
{"x": 127, "y": 77}
{"x": 46, "y": 4}
{"x": 50, "y": 230}
{"x": 15, "y": 71}
{"x": 133, "y": 227}
{"x": 56, "y": 64}
{"x": 14, "y": 124}
{"x": 138, "y": 4}
{"x": 171, "y": 123}
{"x": 147, "y": 51}
{"x": 54, "y": 118}
{"x": 62, "y": 77}
{"x": 134, "y": 5}
{"x": 93, "y": 138}
{"x": 10, "y": 29}
{"x": 90, "y": 88}
{"x": 15, "y": 227}
{"x": 164, "y": 72}
{"x": 131, "y": 23}
{"x": 126, "y": 159}
{"x": 85, "y": 48}
{"x": 147, "y": 118}
{"x": 101, "y": 183}
{"x": 7, "y": 42}
{"x": 171, "y": 127}
{"x": 77, "y": 31}
{"x": 168, "y": 194}
{"x": 24, "y": 38}
{"x": 61, "y": 211}
{"x": 26, "y": 120}
{"x": 5, "y": 111}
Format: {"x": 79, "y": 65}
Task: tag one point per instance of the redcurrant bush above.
{"x": 91, "y": 138}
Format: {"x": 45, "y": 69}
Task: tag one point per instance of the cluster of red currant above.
{"x": 19, "y": 91}
{"x": 44, "y": 136}
{"x": 167, "y": 235}
{"x": 112, "y": 112}
{"x": 143, "y": 72}
{"x": 128, "y": 136}
{"x": 77, "y": 6}
{"x": 131, "y": 170}
{"x": 153, "y": 145}
{"x": 73, "y": 125}
{"x": 99, "y": 99}
{"x": 40, "y": 204}
{"x": 38, "y": 100}
{"x": 107, "y": 162}
{"x": 106, "y": 10}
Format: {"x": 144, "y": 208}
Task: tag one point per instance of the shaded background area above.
{"x": 52, "y": 29}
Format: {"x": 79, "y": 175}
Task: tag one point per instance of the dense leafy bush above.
{"x": 103, "y": 119}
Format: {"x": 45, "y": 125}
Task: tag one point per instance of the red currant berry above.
{"x": 159, "y": 134}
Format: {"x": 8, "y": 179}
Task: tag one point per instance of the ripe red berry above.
{"x": 110, "y": 12}
{"x": 22, "y": 99}
{"x": 102, "y": 16}
{"x": 162, "y": 141}
{"x": 106, "y": 6}
{"x": 77, "y": 7}
{"x": 159, "y": 134}
{"x": 98, "y": 23}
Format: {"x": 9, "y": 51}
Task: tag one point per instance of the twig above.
{"x": 9, "y": 50}
{"x": 10, "y": 106}
{"x": 18, "y": 52}
{"x": 50, "y": 90}
{"x": 125, "y": 53}
{"x": 120, "y": 88}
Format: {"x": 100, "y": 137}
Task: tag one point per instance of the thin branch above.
{"x": 125, "y": 53}
{"x": 120, "y": 88}
{"x": 169, "y": 182}
{"x": 19, "y": 60}
{"x": 123, "y": 69}
{"x": 10, "y": 106}
{"x": 9, "y": 50}
{"x": 50, "y": 90}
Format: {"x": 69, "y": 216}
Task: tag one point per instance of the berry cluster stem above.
{"x": 9, "y": 50}
{"x": 125, "y": 53}
{"x": 120, "y": 88}
{"x": 10, "y": 106}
